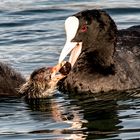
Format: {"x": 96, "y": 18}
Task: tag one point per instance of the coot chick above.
{"x": 100, "y": 62}
{"x": 10, "y": 80}
{"x": 42, "y": 81}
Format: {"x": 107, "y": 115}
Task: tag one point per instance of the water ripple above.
{"x": 32, "y": 36}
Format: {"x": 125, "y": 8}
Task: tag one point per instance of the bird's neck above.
{"x": 98, "y": 57}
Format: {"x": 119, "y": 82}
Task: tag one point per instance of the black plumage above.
{"x": 109, "y": 60}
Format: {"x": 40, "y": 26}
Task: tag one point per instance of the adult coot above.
{"x": 102, "y": 58}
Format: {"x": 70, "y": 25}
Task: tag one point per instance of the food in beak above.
{"x": 65, "y": 69}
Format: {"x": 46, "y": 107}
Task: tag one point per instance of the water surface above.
{"x": 31, "y": 36}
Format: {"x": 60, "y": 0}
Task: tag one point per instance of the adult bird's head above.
{"x": 88, "y": 31}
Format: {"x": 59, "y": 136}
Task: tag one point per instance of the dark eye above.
{"x": 84, "y": 28}
{"x": 49, "y": 77}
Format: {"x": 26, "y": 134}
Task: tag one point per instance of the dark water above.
{"x": 31, "y": 36}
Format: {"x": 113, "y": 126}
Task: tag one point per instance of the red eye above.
{"x": 84, "y": 28}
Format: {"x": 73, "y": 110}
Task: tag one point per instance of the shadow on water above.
{"x": 87, "y": 116}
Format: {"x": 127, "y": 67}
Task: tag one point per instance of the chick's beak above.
{"x": 55, "y": 70}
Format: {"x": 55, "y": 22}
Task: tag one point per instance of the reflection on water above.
{"x": 70, "y": 117}
{"x": 32, "y": 36}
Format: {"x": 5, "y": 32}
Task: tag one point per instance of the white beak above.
{"x": 71, "y": 27}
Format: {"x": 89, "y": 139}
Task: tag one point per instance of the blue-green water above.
{"x": 31, "y": 36}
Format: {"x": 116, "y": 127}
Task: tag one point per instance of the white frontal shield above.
{"x": 71, "y": 27}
